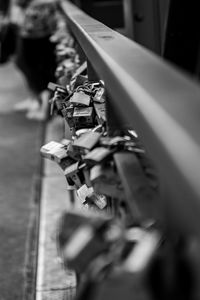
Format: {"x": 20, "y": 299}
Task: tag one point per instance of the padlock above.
{"x": 65, "y": 68}
{"x": 87, "y": 241}
{"x": 81, "y": 131}
{"x": 146, "y": 243}
{"x": 116, "y": 141}
{"x": 96, "y": 200}
{"x": 83, "y": 192}
{"x": 68, "y": 65}
{"x": 66, "y": 162}
{"x": 80, "y": 98}
{"x": 77, "y": 81}
{"x": 68, "y": 224}
{"x": 54, "y": 151}
{"x": 99, "y": 96}
{"x": 61, "y": 72}
{"x": 74, "y": 174}
{"x": 106, "y": 181}
{"x": 61, "y": 156}
{"x": 97, "y": 155}
{"x": 128, "y": 279}
{"x": 75, "y": 155}
{"x": 86, "y": 142}
{"x": 61, "y": 36}
{"x": 63, "y": 52}
{"x": 65, "y": 38}
{"x": 58, "y": 153}
{"x": 67, "y": 113}
{"x": 100, "y": 110}
{"x": 98, "y": 128}
{"x": 59, "y": 100}
{"x": 68, "y": 123}
{"x": 53, "y": 87}
{"x": 131, "y": 146}
{"x": 63, "y": 79}
{"x": 65, "y": 142}
{"x": 83, "y": 117}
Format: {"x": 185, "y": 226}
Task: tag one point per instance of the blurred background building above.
{"x": 167, "y": 27}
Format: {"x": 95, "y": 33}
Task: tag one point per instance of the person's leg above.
{"x": 43, "y": 69}
{"x": 36, "y": 59}
{"x": 22, "y": 61}
{"x": 42, "y": 110}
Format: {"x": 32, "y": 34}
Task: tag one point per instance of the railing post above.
{"x": 128, "y": 18}
{"x": 143, "y": 16}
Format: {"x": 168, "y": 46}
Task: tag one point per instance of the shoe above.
{"x": 44, "y": 97}
{"x": 41, "y": 114}
{"x": 28, "y": 104}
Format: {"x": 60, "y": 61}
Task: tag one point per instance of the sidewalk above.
{"x": 20, "y": 141}
{"x": 31, "y": 202}
{"x": 53, "y": 283}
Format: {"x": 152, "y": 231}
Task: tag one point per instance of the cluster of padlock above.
{"x": 90, "y": 165}
{"x": 66, "y": 55}
{"x": 114, "y": 261}
{"x": 89, "y": 158}
{"x": 81, "y": 103}
{"x": 117, "y": 246}
{"x": 96, "y": 245}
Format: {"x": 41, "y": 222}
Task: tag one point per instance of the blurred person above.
{"x": 8, "y": 32}
{"x": 4, "y": 6}
{"x": 35, "y": 54}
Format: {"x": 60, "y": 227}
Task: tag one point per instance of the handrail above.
{"x": 160, "y": 102}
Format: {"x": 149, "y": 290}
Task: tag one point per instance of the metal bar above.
{"x": 161, "y": 103}
{"x": 142, "y": 200}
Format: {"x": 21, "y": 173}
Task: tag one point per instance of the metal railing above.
{"x": 160, "y": 102}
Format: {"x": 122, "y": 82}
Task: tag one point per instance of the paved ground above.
{"x": 53, "y": 282}
{"x": 33, "y": 196}
{"x": 20, "y": 164}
